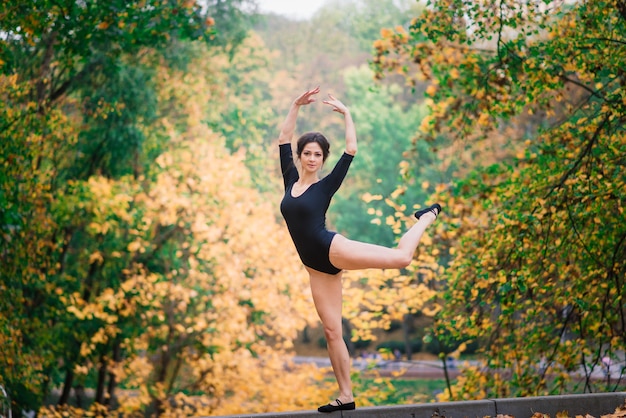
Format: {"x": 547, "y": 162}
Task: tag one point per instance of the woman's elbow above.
{"x": 284, "y": 138}
{"x": 351, "y": 150}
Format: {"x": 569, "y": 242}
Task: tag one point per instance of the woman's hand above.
{"x": 336, "y": 104}
{"x": 306, "y": 97}
{"x": 289, "y": 125}
{"x": 339, "y": 107}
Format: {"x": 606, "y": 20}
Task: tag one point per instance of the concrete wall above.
{"x": 595, "y": 404}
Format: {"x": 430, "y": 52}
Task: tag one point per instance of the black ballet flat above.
{"x": 339, "y": 407}
{"x": 432, "y": 208}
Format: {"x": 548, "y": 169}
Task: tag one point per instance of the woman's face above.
{"x": 312, "y": 157}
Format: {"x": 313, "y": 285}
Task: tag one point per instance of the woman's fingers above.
{"x": 312, "y": 92}
{"x": 306, "y": 97}
{"x": 337, "y": 105}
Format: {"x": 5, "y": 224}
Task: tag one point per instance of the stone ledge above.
{"x": 596, "y": 404}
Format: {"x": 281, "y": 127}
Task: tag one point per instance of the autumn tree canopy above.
{"x": 143, "y": 263}
{"x": 133, "y": 242}
{"x": 536, "y": 232}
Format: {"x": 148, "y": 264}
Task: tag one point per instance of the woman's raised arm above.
{"x": 289, "y": 125}
{"x": 338, "y": 106}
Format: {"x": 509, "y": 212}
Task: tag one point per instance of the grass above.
{"x": 398, "y": 391}
{"x": 406, "y": 388}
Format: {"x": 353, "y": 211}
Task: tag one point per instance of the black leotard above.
{"x": 305, "y": 215}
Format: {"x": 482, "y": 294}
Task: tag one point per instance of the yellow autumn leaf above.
{"x": 431, "y": 90}
{"x": 134, "y": 246}
{"x": 96, "y": 257}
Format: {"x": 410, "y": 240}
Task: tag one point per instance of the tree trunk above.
{"x": 67, "y": 387}
{"x": 102, "y": 373}
{"x": 407, "y": 339}
{"x": 447, "y": 376}
{"x": 79, "y": 391}
{"x": 112, "y": 381}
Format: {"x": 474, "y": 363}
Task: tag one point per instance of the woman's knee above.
{"x": 399, "y": 259}
{"x": 404, "y": 260}
{"x": 333, "y": 333}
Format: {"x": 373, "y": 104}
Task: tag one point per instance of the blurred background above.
{"x": 145, "y": 269}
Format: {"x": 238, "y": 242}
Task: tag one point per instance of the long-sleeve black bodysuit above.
{"x": 305, "y": 215}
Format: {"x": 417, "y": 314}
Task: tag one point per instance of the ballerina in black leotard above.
{"x": 305, "y": 213}
{"x": 326, "y": 254}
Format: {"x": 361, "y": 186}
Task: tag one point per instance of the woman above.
{"x": 326, "y": 254}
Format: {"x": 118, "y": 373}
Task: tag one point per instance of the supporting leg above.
{"x": 327, "y": 296}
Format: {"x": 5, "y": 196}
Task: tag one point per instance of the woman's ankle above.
{"x": 346, "y": 398}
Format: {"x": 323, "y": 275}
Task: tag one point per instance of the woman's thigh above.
{"x": 327, "y": 297}
{"x": 355, "y": 255}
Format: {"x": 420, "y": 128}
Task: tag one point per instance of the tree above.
{"x": 537, "y": 239}
{"x": 189, "y": 318}
{"x": 79, "y": 115}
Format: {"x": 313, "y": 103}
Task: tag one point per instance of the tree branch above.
{"x": 617, "y": 41}
{"x": 616, "y": 277}
{"x": 580, "y": 238}
{"x": 582, "y": 155}
{"x": 44, "y": 69}
{"x": 581, "y": 85}
{"x": 65, "y": 87}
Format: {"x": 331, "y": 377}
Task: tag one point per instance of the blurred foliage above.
{"x": 139, "y": 228}
{"x": 120, "y": 244}
{"x": 535, "y": 232}
{"x": 385, "y": 129}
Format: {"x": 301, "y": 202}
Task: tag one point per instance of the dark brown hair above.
{"x": 313, "y": 137}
